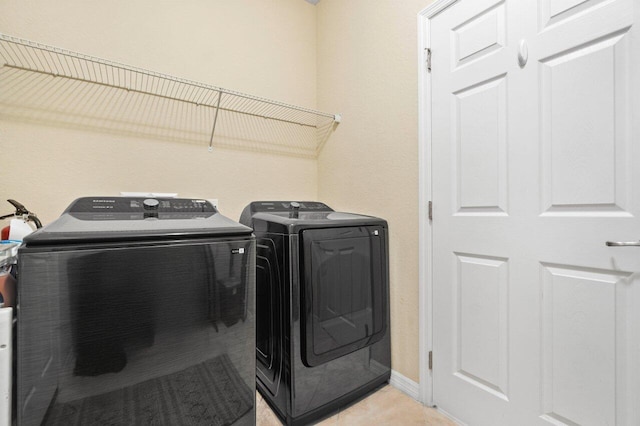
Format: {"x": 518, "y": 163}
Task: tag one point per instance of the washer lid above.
{"x": 133, "y": 218}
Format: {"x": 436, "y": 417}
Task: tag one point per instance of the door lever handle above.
{"x": 623, "y": 243}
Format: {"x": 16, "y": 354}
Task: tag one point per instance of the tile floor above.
{"x": 387, "y": 406}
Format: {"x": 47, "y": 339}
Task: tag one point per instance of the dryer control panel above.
{"x": 284, "y": 206}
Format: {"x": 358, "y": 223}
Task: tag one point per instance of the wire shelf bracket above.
{"x": 48, "y": 84}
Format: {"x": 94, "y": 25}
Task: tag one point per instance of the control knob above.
{"x": 151, "y": 204}
{"x": 295, "y": 210}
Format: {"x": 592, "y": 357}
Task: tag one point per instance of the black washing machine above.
{"x": 136, "y": 311}
{"x": 322, "y": 307}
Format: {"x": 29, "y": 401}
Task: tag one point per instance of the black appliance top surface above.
{"x": 286, "y": 206}
{"x": 134, "y": 218}
{"x": 297, "y": 215}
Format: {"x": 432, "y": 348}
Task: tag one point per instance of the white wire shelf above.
{"x": 50, "y": 85}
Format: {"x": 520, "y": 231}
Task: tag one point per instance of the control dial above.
{"x": 151, "y": 204}
{"x": 295, "y": 210}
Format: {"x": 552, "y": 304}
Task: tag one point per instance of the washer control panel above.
{"x": 130, "y": 208}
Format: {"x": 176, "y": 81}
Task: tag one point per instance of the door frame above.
{"x": 425, "y": 232}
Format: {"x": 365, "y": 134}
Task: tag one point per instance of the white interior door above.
{"x": 535, "y": 165}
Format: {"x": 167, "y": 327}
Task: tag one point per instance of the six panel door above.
{"x": 535, "y": 109}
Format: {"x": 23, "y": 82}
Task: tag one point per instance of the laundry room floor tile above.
{"x": 264, "y": 415}
{"x": 387, "y": 406}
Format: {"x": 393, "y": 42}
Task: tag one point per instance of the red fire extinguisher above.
{"x": 8, "y": 251}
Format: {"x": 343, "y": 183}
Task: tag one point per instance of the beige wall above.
{"x": 367, "y": 70}
{"x": 266, "y": 48}
{"x": 363, "y": 54}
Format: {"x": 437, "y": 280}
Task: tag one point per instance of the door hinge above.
{"x": 428, "y": 58}
{"x": 430, "y": 210}
{"x": 430, "y": 360}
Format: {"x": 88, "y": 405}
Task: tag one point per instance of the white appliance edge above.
{"x": 6, "y": 326}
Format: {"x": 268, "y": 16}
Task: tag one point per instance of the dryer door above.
{"x": 344, "y": 276}
{"x": 268, "y": 314}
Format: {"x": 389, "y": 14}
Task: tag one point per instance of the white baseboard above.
{"x": 405, "y": 385}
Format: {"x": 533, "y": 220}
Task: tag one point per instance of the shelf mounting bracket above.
{"x": 215, "y": 120}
